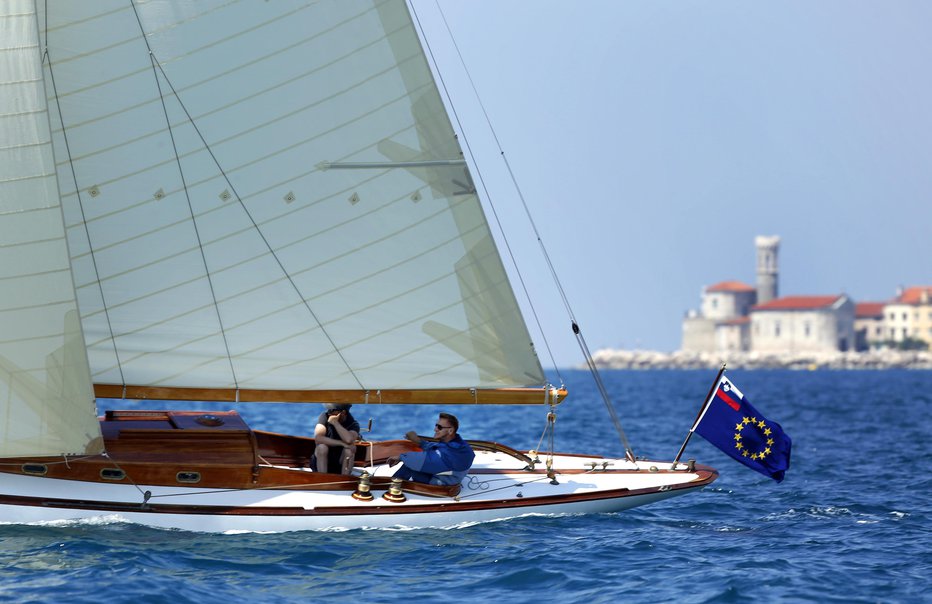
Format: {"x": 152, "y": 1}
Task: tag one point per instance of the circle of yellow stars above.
{"x": 767, "y": 432}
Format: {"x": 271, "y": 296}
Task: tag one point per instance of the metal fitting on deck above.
{"x": 362, "y": 490}
{"x": 550, "y": 473}
{"x": 394, "y": 493}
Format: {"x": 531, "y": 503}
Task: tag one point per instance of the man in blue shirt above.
{"x": 444, "y": 462}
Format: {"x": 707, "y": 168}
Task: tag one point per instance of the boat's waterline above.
{"x": 489, "y": 494}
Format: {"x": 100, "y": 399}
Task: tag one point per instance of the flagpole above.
{"x": 705, "y": 404}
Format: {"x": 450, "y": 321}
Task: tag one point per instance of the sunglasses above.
{"x": 439, "y": 427}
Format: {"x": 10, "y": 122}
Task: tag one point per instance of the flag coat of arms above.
{"x": 730, "y": 423}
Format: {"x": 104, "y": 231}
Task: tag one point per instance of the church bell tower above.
{"x": 767, "y": 248}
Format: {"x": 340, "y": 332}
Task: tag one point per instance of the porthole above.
{"x": 112, "y": 474}
{"x": 188, "y": 477}
{"x": 36, "y": 469}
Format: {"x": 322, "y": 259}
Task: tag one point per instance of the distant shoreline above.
{"x": 647, "y": 359}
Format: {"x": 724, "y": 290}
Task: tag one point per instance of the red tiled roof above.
{"x": 867, "y": 310}
{"x": 730, "y": 286}
{"x": 913, "y": 295}
{"x": 798, "y": 303}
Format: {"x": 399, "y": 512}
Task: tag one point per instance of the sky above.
{"x": 652, "y": 141}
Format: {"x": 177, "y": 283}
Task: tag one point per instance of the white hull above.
{"x": 505, "y": 493}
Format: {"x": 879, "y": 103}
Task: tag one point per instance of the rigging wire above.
{"x": 268, "y": 245}
{"x": 187, "y": 195}
{"x": 577, "y": 332}
{"x": 77, "y": 191}
{"x": 488, "y": 197}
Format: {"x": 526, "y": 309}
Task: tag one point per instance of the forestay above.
{"x": 270, "y": 196}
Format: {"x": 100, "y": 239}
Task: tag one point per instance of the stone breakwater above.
{"x": 646, "y": 359}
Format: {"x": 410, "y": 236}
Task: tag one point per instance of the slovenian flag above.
{"x": 730, "y": 423}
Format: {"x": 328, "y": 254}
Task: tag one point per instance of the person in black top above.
{"x": 335, "y": 436}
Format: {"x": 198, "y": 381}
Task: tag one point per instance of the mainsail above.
{"x": 268, "y": 197}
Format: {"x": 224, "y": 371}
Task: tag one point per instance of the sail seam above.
{"x": 190, "y": 53}
{"x": 25, "y": 178}
{"x": 208, "y": 148}
{"x": 75, "y": 22}
{"x": 39, "y": 274}
{"x": 244, "y": 132}
{"x": 21, "y": 82}
{"x": 305, "y": 74}
{"x": 48, "y": 304}
{"x": 323, "y": 293}
{"x": 238, "y": 101}
{"x": 304, "y": 270}
{"x": 18, "y": 48}
{"x": 36, "y": 144}
{"x": 33, "y": 242}
{"x": 187, "y": 194}
{"x": 476, "y": 295}
{"x": 48, "y": 60}
{"x": 25, "y": 211}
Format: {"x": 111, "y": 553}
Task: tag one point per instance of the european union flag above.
{"x": 730, "y": 423}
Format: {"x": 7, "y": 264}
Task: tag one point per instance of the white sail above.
{"x": 270, "y": 195}
{"x": 46, "y": 398}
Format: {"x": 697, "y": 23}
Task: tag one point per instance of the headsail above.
{"x": 271, "y": 197}
{"x": 46, "y": 400}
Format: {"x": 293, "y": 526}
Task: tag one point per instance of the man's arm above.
{"x": 320, "y": 437}
{"x": 429, "y": 460}
{"x": 347, "y": 437}
{"x": 412, "y": 436}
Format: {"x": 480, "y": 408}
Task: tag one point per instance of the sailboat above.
{"x": 252, "y": 202}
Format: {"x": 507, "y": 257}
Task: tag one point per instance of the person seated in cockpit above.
{"x": 335, "y": 437}
{"x": 445, "y": 462}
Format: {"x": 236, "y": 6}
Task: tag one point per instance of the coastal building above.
{"x": 868, "y": 325}
{"x": 734, "y": 334}
{"x": 734, "y": 316}
{"x": 728, "y": 300}
{"x": 909, "y": 316}
{"x": 722, "y": 322}
{"x": 803, "y": 324}
{"x": 698, "y": 333}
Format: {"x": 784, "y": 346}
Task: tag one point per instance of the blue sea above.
{"x": 851, "y": 522}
